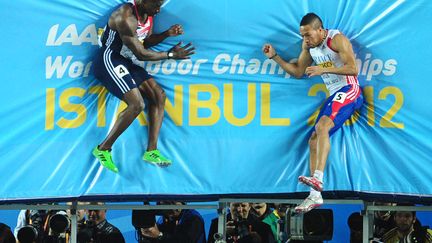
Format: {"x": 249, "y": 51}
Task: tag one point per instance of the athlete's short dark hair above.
{"x": 311, "y": 19}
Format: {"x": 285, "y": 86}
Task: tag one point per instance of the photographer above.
{"x": 42, "y": 226}
{"x": 32, "y": 226}
{"x": 242, "y": 226}
{"x": 383, "y": 220}
{"x": 98, "y": 230}
{"x": 174, "y": 226}
{"x": 268, "y": 216}
{"x": 408, "y": 229}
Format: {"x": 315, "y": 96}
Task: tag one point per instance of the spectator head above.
{"x": 259, "y": 208}
{"x": 172, "y": 214}
{"x": 80, "y": 213}
{"x": 97, "y": 215}
{"x": 405, "y": 221}
{"x": 240, "y": 210}
{"x": 6, "y": 235}
{"x": 383, "y": 215}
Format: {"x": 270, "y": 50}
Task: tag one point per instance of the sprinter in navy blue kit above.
{"x": 126, "y": 39}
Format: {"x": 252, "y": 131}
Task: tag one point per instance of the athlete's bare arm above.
{"x": 154, "y": 39}
{"x": 343, "y": 47}
{"x": 125, "y": 23}
{"x": 296, "y": 69}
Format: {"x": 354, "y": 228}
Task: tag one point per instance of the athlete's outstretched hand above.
{"x": 175, "y": 30}
{"x": 182, "y": 52}
{"x": 268, "y": 50}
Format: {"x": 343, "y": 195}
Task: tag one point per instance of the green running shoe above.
{"x": 105, "y": 158}
{"x": 156, "y": 158}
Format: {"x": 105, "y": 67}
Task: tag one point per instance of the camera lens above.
{"x": 27, "y": 234}
{"x": 355, "y": 221}
{"x": 59, "y": 223}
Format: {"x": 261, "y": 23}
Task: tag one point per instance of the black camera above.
{"x": 86, "y": 231}
{"x": 33, "y": 231}
{"x": 142, "y": 219}
{"x": 58, "y": 223}
{"x": 28, "y": 234}
{"x": 316, "y": 225}
{"x": 241, "y": 229}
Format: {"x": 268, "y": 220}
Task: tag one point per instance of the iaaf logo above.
{"x": 70, "y": 35}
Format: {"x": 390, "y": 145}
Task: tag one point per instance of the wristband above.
{"x": 273, "y": 56}
{"x": 170, "y": 54}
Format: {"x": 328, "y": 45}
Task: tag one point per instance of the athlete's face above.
{"x": 152, "y": 7}
{"x": 312, "y": 37}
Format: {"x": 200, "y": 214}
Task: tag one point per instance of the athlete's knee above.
{"x": 323, "y": 125}
{"x": 154, "y": 94}
{"x": 136, "y": 107}
{"x": 157, "y": 96}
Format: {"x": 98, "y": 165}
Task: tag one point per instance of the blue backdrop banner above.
{"x": 235, "y": 122}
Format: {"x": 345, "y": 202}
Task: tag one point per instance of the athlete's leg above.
{"x": 316, "y": 185}
{"x": 332, "y": 116}
{"x": 135, "y": 105}
{"x": 155, "y": 96}
{"x": 319, "y": 144}
{"x": 312, "y": 152}
{"x": 322, "y": 129}
{"x": 316, "y": 153}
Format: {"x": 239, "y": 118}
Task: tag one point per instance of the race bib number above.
{"x": 121, "y": 71}
{"x": 340, "y": 97}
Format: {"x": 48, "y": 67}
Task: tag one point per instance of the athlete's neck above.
{"x": 324, "y": 37}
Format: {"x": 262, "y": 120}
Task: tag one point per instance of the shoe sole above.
{"x": 162, "y": 165}
{"x": 100, "y": 162}
{"x": 306, "y": 182}
{"x": 310, "y": 208}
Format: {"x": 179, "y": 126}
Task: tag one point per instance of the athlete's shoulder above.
{"x": 333, "y": 32}
{"x": 123, "y": 17}
{"x": 125, "y": 9}
{"x": 337, "y": 40}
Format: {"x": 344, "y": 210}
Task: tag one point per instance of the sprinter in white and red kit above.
{"x": 334, "y": 60}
